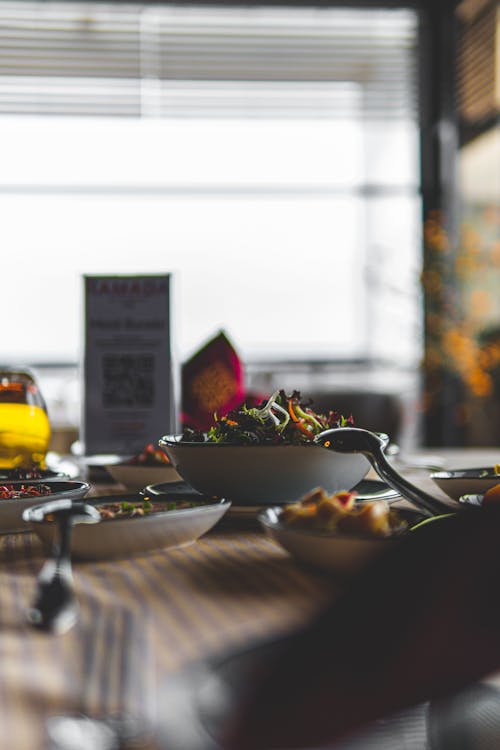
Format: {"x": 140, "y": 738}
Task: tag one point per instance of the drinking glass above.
{"x": 24, "y": 423}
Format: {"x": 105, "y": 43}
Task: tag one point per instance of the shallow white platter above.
{"x": 137, "y": 477}
{"x": 126, "y": 537}
{"x": 466, "y": 481}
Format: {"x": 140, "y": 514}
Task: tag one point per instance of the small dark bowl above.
{"x": 180, "y": 490}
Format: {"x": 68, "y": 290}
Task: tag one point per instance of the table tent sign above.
{"x": 128, "y": 368}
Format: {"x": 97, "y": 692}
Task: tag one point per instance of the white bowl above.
{"x": 339, "y": 553}
{"x": 263, "y": 474}
{"x": 465, "y": 481}
{"x": 11, "y": 511}
{"x": 137, "y": 477}
{"x": 126, "y": 537}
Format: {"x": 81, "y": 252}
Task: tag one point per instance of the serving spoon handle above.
{"x": 55, "y": 607}
{"x": 356, "y": 440}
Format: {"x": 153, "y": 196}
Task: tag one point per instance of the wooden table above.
{"x": 145, "y": 618}
{"x": 141, "y": 619}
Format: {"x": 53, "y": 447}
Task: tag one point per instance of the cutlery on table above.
{"x": 55, "y": 608}
{"x": 356, "y": 440}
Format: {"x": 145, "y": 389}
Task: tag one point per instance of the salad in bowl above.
{"x": 265, "y": 454}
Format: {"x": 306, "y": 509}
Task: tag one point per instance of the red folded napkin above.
{"x": 212, "y": 383}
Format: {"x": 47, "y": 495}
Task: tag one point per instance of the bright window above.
{"x": 274, "y": 173}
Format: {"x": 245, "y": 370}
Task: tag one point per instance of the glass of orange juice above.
{"x": 24, "y": 423}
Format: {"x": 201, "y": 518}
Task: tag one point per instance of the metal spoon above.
{"x": 355, "y": 440}
{"x": 55, "y": 608}
{"x": 475, "y": 501}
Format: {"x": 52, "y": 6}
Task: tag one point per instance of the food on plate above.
{"x": 141, "y": 508}
{"x": 11, "y": 492}
{"x": 281, "y": 420}
{"x": 20, "y": 474}
{"x": 492, "y": 495}
{"x": 494, "y": 472}
{"x": 137, "y": 508}
{"x": 340, "y": 513}
{"x": 150, "y": 456}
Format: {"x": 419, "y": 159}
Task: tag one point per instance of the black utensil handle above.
{"x": 372, "y": 445}
{"x": 55, "y": 608}
{"x": 431, "y": 504}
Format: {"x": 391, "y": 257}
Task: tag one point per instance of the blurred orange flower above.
{"x": 480, "y": 303}
{"x": 456, "y": 303}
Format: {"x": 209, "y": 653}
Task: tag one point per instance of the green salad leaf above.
{"x": 281, "y": 419}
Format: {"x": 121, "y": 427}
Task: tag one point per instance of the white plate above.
{"x": 126, "y": 537}
{"x": 341, "y": 554}
{"x": 137, "y": 477}
{"x": 465, "y": 481}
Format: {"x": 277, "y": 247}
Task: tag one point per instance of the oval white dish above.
{"x": 126, "y": 537}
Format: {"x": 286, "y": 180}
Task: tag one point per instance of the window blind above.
{"x": 478, "y": 74}
{"x": 177, "y": 61}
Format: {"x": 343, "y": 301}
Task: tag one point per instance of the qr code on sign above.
{"x": 128, "y": 380}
